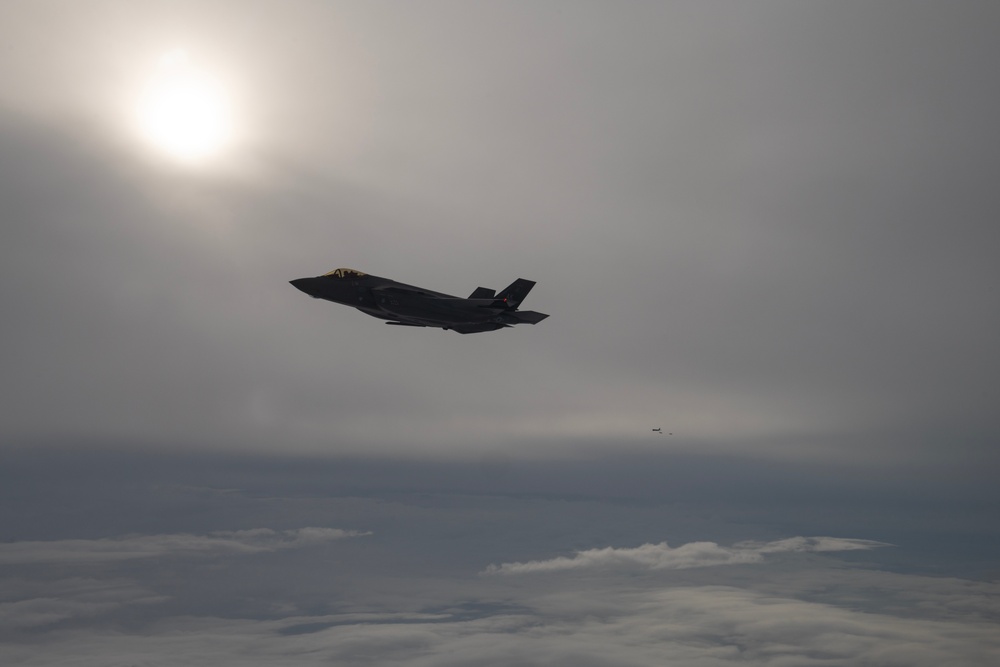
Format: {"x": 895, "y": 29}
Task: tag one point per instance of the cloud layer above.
{"x": 696, "y": 626}
{"x": 694, "y": 554}
{"x": 183, "y": 544}
{"x": 28, "y": 604}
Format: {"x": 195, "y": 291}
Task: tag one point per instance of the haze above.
{"x": 767, "y": 228}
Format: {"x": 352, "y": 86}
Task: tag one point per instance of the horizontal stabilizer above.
{"x": 482, "y": 293}
{"x": 527, "y": 316}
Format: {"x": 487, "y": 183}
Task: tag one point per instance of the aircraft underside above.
{"x": 486, "y": 321}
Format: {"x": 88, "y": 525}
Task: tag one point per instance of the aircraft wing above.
{"x": 410, "y": 290}
{"x": 477, "y": 328}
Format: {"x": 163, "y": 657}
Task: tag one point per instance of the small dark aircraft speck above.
{"x": 406, "y": 305}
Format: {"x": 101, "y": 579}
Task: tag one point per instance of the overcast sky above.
{"x": 769, "y": 228}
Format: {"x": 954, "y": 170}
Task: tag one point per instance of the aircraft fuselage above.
{"x": 407, "y": 305}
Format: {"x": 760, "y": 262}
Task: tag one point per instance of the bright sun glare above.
{"x": 184, "y": 111}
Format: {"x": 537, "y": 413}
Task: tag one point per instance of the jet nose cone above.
{"x": 302, "y": 284}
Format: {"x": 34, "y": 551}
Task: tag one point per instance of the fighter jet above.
{"x": 409, "y": 306}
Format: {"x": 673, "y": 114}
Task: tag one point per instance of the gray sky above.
{"x": 768, "y": 228}
{"x": 764, "y": 221}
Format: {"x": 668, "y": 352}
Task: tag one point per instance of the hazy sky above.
{"x": 769, "y": 228}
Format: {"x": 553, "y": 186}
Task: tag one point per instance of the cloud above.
{"x": 694, "y": 554}
{"x": 691, "y": 625}
{"x": 31, "y": 604}
{"x": 184, "y": 544}
{"x": 811, "y": 544}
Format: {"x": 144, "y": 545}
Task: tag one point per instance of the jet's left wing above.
{"x": 409, "y": 290}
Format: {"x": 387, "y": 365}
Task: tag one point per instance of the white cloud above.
{"x": 694, "y": 554}
{"x": 147, "y": 546}
{"x": 710, "y": 626}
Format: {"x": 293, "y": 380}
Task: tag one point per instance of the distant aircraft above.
{"x": 406, "y": 305}
{"x": 657, "y": 430}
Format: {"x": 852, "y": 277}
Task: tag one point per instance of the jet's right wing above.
{"x": 478, "y": 327}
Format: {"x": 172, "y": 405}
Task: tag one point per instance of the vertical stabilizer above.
{"x": 514, "y": 294}
{"x": 482, "y": 293}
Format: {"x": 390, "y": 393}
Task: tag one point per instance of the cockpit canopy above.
{"x": 344, "y": 273}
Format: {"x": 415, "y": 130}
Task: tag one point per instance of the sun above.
{"x": 183, "y": 110}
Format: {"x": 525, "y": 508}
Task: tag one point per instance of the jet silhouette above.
{"x": 406, "y": 305}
